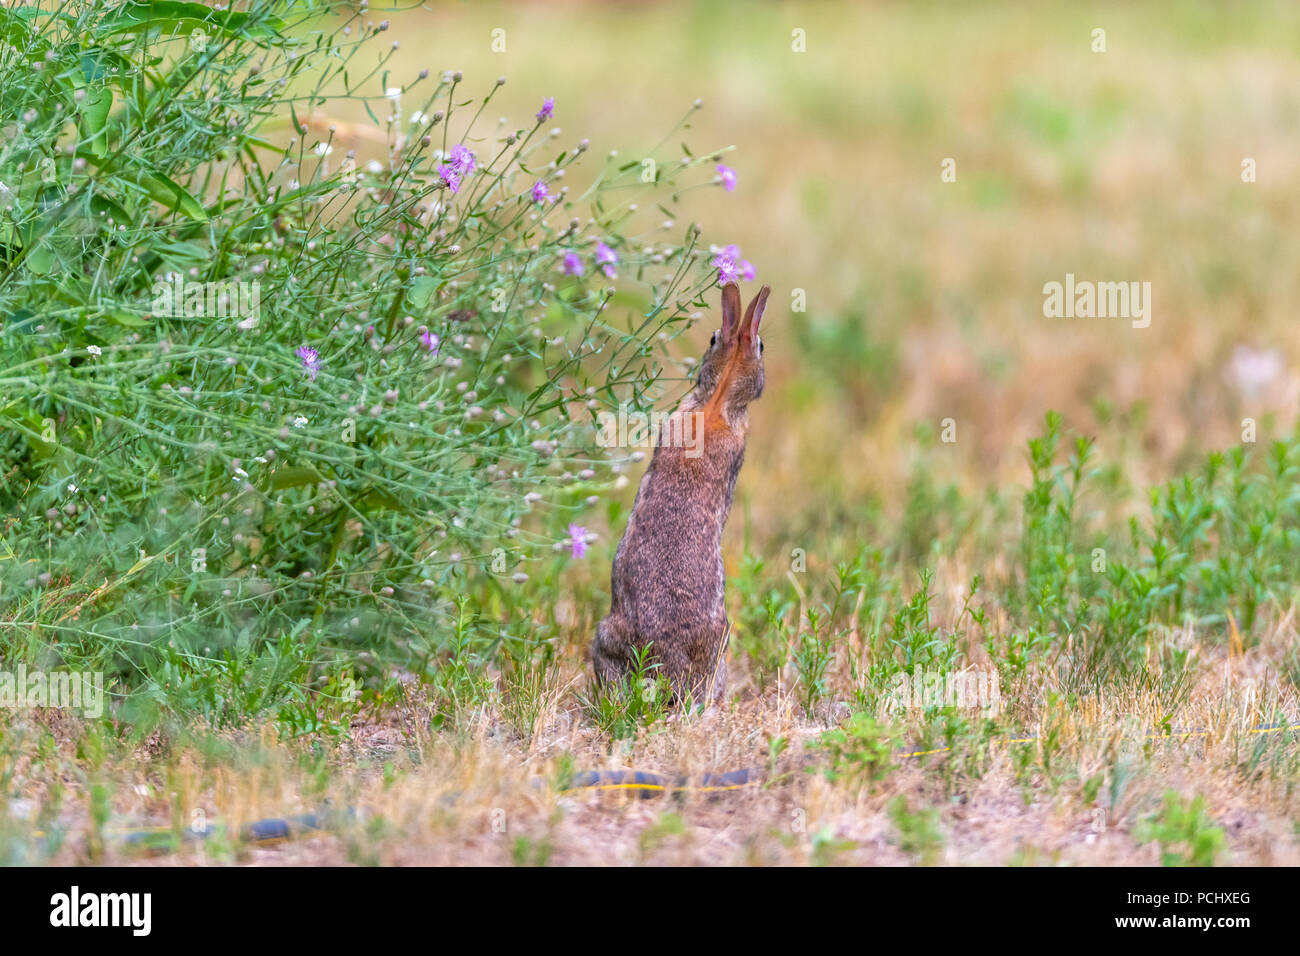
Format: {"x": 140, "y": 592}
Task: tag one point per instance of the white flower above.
{"x": 299, "y": 421}
{"x": 1254, "y": 370}
{"x": 94, "y": 350}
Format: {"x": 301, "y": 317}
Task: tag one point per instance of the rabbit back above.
{"x": 668, "y": 580}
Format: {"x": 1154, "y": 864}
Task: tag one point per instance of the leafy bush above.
{"x": 1216, "y": 545}
{"x": 268, "y": 410}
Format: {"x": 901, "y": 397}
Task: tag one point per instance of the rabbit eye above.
{"x": 713, "y": 341}
{"x": 760, "y": 346}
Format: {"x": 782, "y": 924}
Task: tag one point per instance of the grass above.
{"x": 1103, "y": 541}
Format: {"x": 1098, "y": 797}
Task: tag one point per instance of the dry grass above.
{"x": 482, "y": 796}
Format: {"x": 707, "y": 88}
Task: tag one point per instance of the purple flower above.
{"x": 460, "y": 163}
{"x": 540, "y": 192}
{"x": 547, "y": 110}
{"x": 607, "y": 259}
{"x": 450, "y": 178}
{"x": 462, "y": 159}
{"x": 430, "y": 341}
{"x": 573, "y": 264}
{"x": 310, "y": 361}
{"x": 728, "y": 177}
{"x": 577, "y": 541}
{"x": 731, "y": 267}
{"x": 727, "y": 271}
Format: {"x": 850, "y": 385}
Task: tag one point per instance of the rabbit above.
{"x": 667, "y": 583}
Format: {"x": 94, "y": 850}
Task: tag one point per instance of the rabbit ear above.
{"x": 730, "y": 309}
{"x": 754, "y": 314}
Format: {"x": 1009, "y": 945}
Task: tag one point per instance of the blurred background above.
{"x": 925, "y": 297}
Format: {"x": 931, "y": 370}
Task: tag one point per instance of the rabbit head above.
{"x": 731, "y": 372}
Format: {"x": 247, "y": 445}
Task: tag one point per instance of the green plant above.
{"x": 1186, "y": 835}
{"x": 1208, "y": 554}
{"x": 918, "y": 832}
{"x": 860, "y": 753}
{"x": 656, "y": 834}
{"x": 913, "y": 638}
{"x": 640, "y": 699}
{"x": 814, "y": 650}
{"x": 760, "y": 633}
{"x": 827, "y": 847}
{"x": 268, "y": 410}
{"x": 528, "y": 851}
{"x": 528, "y": 684}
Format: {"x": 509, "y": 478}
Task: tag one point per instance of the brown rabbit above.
{"x": 668, "y": 581}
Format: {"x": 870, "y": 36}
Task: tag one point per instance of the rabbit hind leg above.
{"x": 702, "y": 674}
{"x": 609, "y": 651}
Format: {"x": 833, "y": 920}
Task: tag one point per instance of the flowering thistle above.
{"x": 607, "y": 259}
{"x": 727, "y": 271}
{"x": 728, "y": 177}
{"x": 460, "y": 163}
{"x": 310, "y": 360}
{"x": 461, "y": 159}
{"x": 732, "y": 267}
{"x": 430, "y": 341}
{"x": 540, "y": 192}
{"x": 573, "y": 264}
{"x": 450, "y": 178}
{"x": 547, "y": 110}
{"x": 577, "y": 541}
